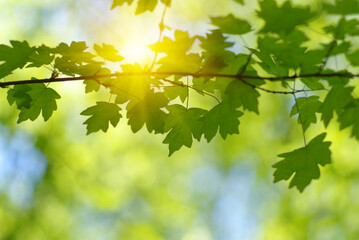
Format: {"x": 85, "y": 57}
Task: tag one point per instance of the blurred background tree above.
{"x": 58, "y": 183}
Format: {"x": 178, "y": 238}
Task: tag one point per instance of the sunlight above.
{"x": 136, "y": 51}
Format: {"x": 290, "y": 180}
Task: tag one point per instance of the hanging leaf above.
{"x": 306, "y": 108}
{"x": 282, "y": 19}
{"x": 108, "y": 52}
{"x": 43, "y": 99}
{"x": 303, "y": 163}
{"x": 231, "y": 25}
{"x": 221, "y": 117}
{"x": 183, "y": 125}
{"x": 102, "y": 114}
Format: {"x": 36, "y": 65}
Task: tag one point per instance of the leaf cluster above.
{"x": 157, "y": 97}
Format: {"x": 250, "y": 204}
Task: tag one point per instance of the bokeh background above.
{"x": 58, "y": 183}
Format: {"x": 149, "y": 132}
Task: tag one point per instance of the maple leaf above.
{"x": 350, "y": 117}
{"x": 307, "y": 109}
{"x": 129, "y": 87}
{"x": 343, "y": 7}
{"x": 148, "y": 111}
{"x": 41, "y": 56}
{"x": 102, "y": 114}
{"x": 108, "y": 52}
{"x": 303, "y": 163}
{"x": 337, "y": 98}
{"x": 43, "y": 99}
{"x": 240, "y": 94}
{"x": 183, "y": 124}
{"x": 180, "y": 90}
{"x": 182, "y": 43}
{"x": 343, "y": 28}
{"x": 231, "y": 25}
{"x": 282, "y": 19}
{"x": 215, "y": 54}
{"x": 94, "y": 85}
{"x": 75, "y": 52}
{"x": 19, "y": 95}
{"x": 222, "y": 116}
{"x": 353, "y": 57}
{"x": 14, "y": 57}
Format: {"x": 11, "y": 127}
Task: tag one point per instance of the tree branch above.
{"x": 196, "y": 75}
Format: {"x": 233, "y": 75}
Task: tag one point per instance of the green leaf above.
{"x": 177, "y": 59}
{"x": 172, "y": 92}
{"x": 129, "y": 87}
{"x": 340, "y": 48}
{"x": 91, "y": 85}
{"x": 350, "y": 117}
{"x": 66, "y": 66}
{"x": 222, "y": 116}
{"x": 88, "y": 69}
{"x": 215, "y": 54}
{"x": 43, "y": 99}
{"x": 19, "y": 95}
{"x": 336, "y": 80}
{"x": 337, "y": 98}
{"x": 14, "y": 56}
{"x": 231, "y": 25}
{"x": 42, "y": 56}
{"x": 353, "y": 58}
{"x": 148, "y": 111}
{"x": 108, "y": 52}
{"x": 240, "y": 94}
{"x": 282, "y": 19}
{"x": 240, "y": 2}
{"x": 343, "y": 7}
{"x": 94, "y": 85}
{"x": 75, "y": 52}
{"x": 183, "y": 124}
{"x": 312, "y": 83}
{"x": 303, "y": 163}
{"x": 308, "y": 107}
{"x": 181, "y": 44}
{"x": 344, "y": 28}
{"x": 102, "y": 114}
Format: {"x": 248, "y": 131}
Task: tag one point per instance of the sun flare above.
{"x": 136, "y": 52}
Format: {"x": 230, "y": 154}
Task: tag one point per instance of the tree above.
{"x": 283, "y": 58}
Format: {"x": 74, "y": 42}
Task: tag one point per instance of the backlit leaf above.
{"x": 43, "y": 99}
{"x": 183, "y": 125}
{"x": 108, "y": 52}
{"x": 101, "y": 115}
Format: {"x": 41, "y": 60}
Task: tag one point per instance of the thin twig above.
{"x": 299, "y": 116}
{"x": 162, "y": 28}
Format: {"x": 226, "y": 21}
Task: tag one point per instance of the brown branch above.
{"x": 197, "y": 75}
